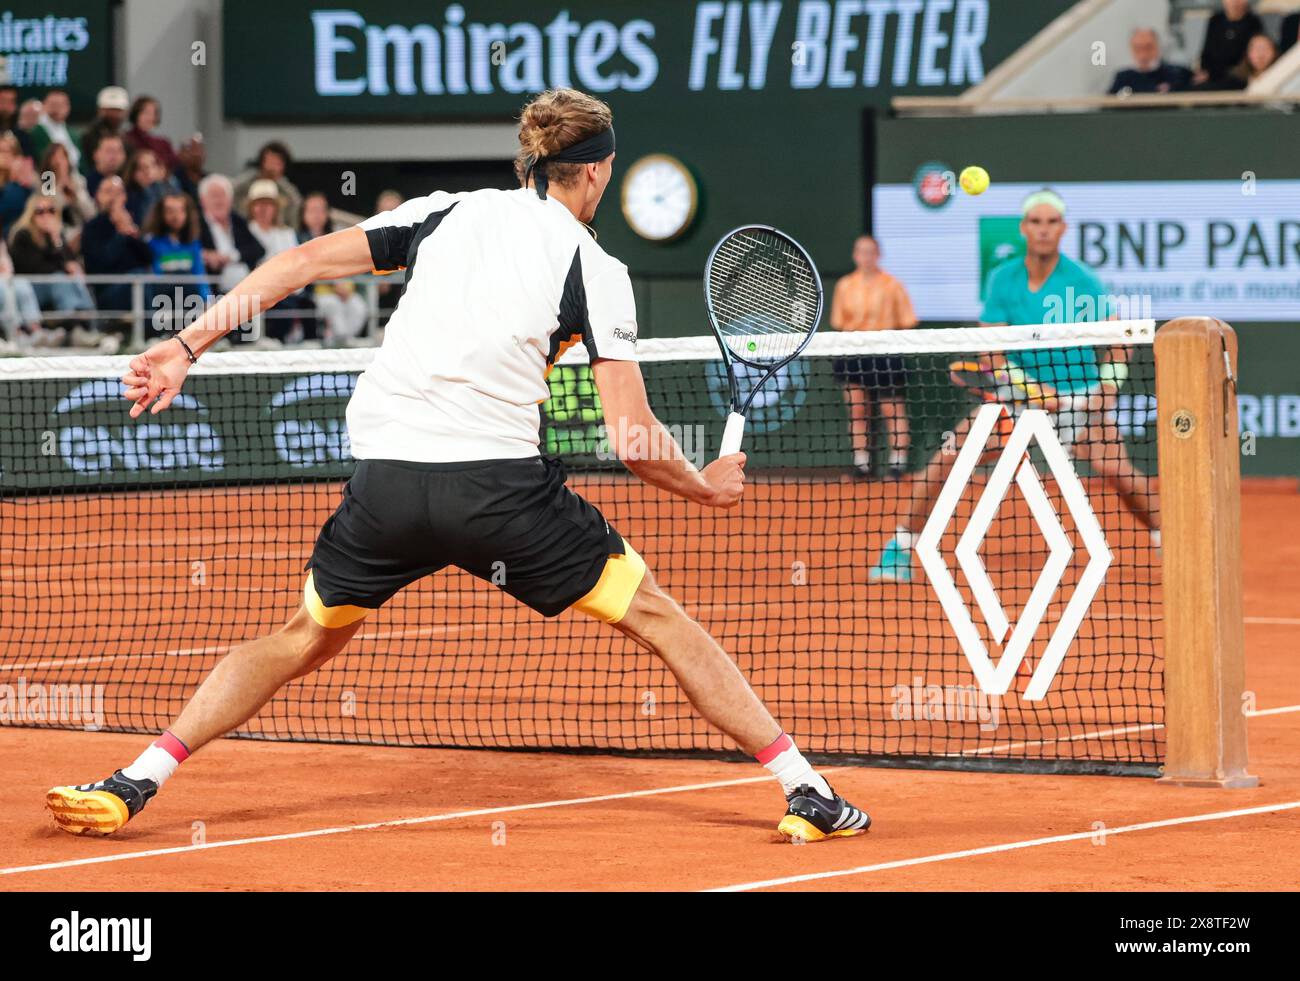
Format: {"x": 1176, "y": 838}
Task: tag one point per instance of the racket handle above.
{"x": 732, "y": 434}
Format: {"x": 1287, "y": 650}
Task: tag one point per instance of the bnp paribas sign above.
{"x": 391, "y": 56}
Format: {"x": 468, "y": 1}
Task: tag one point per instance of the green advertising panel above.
{"x": 73, "y": 435}
{"x": 64, "y": 44}
{"x": 761, "y": 101}
{"x": 392, "y": 58}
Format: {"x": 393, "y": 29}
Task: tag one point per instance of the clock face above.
{"x": 659, "y": 197}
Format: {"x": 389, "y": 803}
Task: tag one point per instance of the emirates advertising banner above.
{"x": 1223, "y": 248}
{"x": 55, "y": 44}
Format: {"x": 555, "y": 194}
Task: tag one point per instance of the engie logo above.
{"x": 307, "y": 434}
{"x": 1034, "y": 425}
{"x": 181, "y": 439}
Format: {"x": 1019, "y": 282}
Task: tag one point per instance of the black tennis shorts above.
{"x": 513, "y": 523}
{"x": 885, "y": 374}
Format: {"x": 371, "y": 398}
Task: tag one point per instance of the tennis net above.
{"x": 136, "y": 553}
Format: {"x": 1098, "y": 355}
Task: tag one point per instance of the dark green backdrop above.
{"x": 787, "y": 157}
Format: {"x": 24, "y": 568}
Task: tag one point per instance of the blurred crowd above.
{"x": 117, "y": 198}
{"x": 1236, "y": 51}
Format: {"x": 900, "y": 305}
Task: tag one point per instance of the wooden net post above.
{"x": 1200, "y": 508}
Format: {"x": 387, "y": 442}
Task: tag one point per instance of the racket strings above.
{"x": 765, "y": 296}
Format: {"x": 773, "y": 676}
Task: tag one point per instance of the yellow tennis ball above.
{"x": 974, "y": 180}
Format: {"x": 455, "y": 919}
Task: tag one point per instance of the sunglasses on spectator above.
{"x": 44, "y": 211}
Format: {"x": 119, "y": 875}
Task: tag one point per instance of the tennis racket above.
{"x": 765, "y": 300}
{"x": 1006, "y": 385}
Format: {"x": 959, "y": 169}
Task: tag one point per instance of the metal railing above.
{"x": 163, "y": 303}
{"x": 946, "y": 106}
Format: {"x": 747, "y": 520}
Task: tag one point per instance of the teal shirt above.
{"x": 1072, "y": 294}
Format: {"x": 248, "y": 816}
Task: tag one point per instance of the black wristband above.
{"x": 188, "y": 353}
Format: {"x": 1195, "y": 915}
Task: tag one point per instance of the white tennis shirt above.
{"x": 499, "y": 284}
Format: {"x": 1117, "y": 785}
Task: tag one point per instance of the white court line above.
{"x": 1284, "y": 621}
{"x": 375, "y": 825}
{"x": 1277, "y": 711}
{"x": 216, "y": 649}
{"x": 1010, "y": 846}
{"x": 1097, "y": 734}
{"x": 1078, "y": 737}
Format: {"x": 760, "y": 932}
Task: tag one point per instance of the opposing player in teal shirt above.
{"x": 1044, "y": 287}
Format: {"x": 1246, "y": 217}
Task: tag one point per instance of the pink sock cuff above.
{"x": 176, "y": 749}
{"x": 778, "y": 746}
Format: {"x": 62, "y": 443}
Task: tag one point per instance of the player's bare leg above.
{"x": 894, "y": 411}
{"x": 858, "y": 404}
{"x": 720, "y": 693}
{"x": 895, "y": 562}
{"x": 246, "y": 678}
{"x": 1103, "y": 449}
{"x": 230, "y": 695}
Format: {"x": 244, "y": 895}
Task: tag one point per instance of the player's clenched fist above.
{"x": 726, "y": 478}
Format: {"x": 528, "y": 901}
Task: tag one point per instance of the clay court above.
{"x": 281, "y": 816}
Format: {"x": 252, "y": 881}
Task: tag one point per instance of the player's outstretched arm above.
{"x": 155, "y": 377}
{"x": 649, "y": 450}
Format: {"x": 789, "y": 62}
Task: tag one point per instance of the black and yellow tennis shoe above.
{"x": 811, "y": 817}
{"x": 99, "y": 808}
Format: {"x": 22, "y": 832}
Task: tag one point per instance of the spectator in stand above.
{"x": 56, "y": 169}
{"x": 1261, "y": 54}
{"x": 1150, "y": 74}
{"x": 273, "y": 162}
{"x": 110, "y": 111}
{"x": 20, "y": 313}
{"x": 146, "y": 182}
{"x": 388, "y": 201}
{"x": 145, "y": 117}
{"x": 109, "y": 159}
{"x": 341, "y": 312}
{"x": 17, "y": 178}
{"x": 387, "y": 292}
{"x": 315, "y": 220}
{"x": 265, "y": 210}
{"x": 9, "y": 118}
{"x": 52, "y": 127}
{"x": 38, "y": 247}
{"x": 192, "y": 155}
{"x": 8, "y": 107}
{"x": 1226, "y": 38}
{"x": 1290, "y": 32}
{"x": 29, "y": 118}
{"x": 111, "y": 245}
{"x": 229, "y": 248}
{"x": 172, "y": 231}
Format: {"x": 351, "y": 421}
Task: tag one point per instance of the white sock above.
{"x": 784, "y": 761}
{"x": 904, "y": 539}
{"x": 861, "y": 458}
{"x": 159, "y": 761}
{"x": 1155, "y": 537}
{"x": 898, "y": 458}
